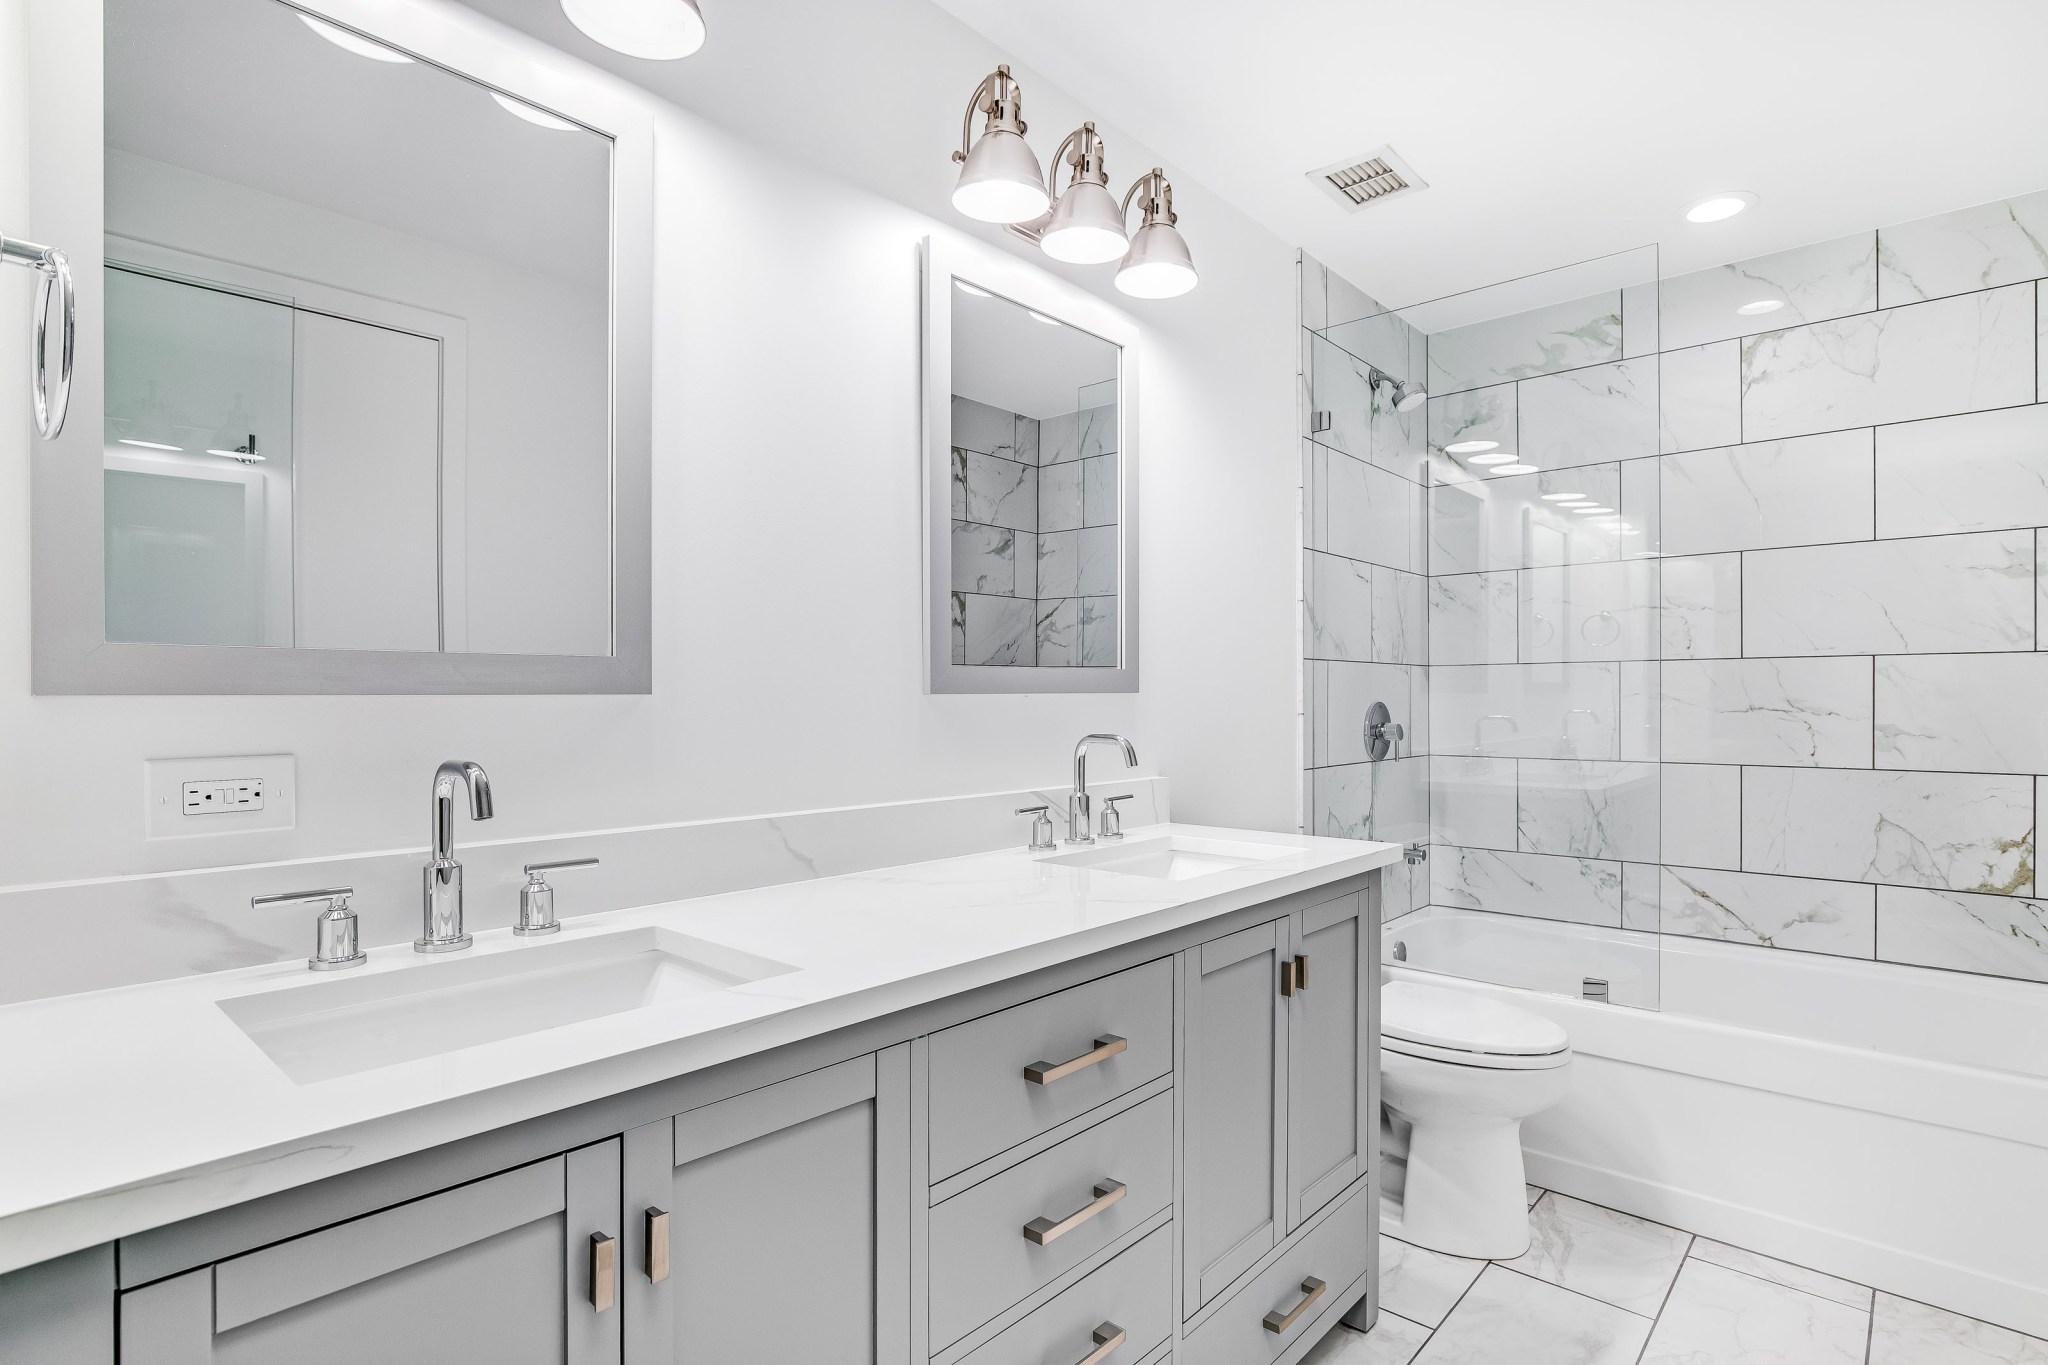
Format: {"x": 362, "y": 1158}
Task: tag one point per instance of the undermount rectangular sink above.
{"x": 339, "y": 1027}
{"x": 1174, "y": 858}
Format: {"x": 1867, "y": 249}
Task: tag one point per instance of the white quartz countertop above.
{"x": 126, "y": 1109}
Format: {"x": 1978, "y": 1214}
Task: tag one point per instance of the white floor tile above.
{"x": 1718, "y": 1316}
{"x": 1422, "y": 1285}
{"x": 1530, "y": 1194}
{"x": 1393, "y": 1340}
{"x": 1510, "y": 1319}
{"x": 1615, "y": 1257}
{"x": 1782, "y": 1272}
{"x": 1906, "y": 1333}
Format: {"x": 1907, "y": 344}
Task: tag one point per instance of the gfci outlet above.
{"x": 195, "y": 797}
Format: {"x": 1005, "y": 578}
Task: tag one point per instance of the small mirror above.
{"x": 1033, "y": 570}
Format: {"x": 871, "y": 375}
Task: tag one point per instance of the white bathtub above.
{"x": 1886, "y": 1124}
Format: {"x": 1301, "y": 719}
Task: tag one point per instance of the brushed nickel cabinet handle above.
{"x": 657, "y": 1245}
{"x": 1311, "y": 1290}
{"x": 604, "y": 1271}
{"x": 1040, "y": 1231}
{"x": 1300, "y": 973}
{"x": 1045, "y": 1073}
{"x": 1108, "y": 1337}
{"x": 1286, "y": 976}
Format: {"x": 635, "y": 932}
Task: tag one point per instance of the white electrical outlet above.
{"x": 194, "y": 797}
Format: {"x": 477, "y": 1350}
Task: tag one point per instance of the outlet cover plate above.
{"x": 165, "y": 779}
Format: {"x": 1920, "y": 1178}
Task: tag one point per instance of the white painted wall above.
{"x": 786, "y": 550}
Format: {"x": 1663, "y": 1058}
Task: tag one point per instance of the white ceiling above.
{"x": 1004, "y": 357}
{"x": 1557, "y": 131}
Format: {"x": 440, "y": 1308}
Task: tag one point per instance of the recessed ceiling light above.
{"x": 147, "y": 445}
{"x": 659, "y": 30}
{"x": 1498, "y": 457}
{"x": 1040, "y": 317}
{"x": 1750, "y": 310}
{"x": 1590, "y": 511}
{"x": 1470, "y": 447}
{"x": 1515, "y": 469}
{"x": 1714, "y": 207}
{"x": 350, "y": 41}
{"x": 539, "y": 118}
{"x": 974, "y": 289}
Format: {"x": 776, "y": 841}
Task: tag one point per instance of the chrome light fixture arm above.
{"x": 1001, "y": 101}
{"x": 49, "y": 383}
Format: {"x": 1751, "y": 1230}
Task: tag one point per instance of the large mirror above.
{"x": 371, "y": 399}
{"x": 1030, "y": 480}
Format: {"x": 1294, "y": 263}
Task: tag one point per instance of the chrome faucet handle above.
{"x": 1383, "y": 734}
{"x": 537, "y": 898}
{"x": 334, "y": 932}
{"x": 1041, "y": 828}
{"x": 1112, "y": 818}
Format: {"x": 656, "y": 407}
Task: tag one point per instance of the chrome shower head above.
{"x": 1407, "y": 397}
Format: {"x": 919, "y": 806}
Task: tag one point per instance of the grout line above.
{"x": 1590, "y": 1298}
{"x": 1669, "y": 1290}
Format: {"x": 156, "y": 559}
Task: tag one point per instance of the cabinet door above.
{"x": 496, "y": 1271}
{"x": 787, "y": 1212}
{"x": 1233, "y": 1083}
{"x": 1328, "y": 1124}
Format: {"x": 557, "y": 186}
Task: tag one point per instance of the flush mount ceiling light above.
{"x": 539, "y": 118}
{"x": 659, "y": 30}
{"x": 1750, "y": 310}
{"x": 1470, "y": 447}
{"x": 349, "y": 41}
{"x": 1715, "y": 207}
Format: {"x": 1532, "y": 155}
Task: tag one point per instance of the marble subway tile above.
{"x": 1098, "y": 568}
{"x": 1903, "y": 1332}
{"x": 1001, "y": 493}
{"x": 1504, "y": 523}
{"x": 1931, "y": 594}
{"x": 1701, "y": 815}
{"x": 983, "y": 429}
{"x": 1400, "y": 632}
{"x": 959, "y": 628}
{"x": 1640, "y": 732}
{"x": 1512, "y": 1318}
{"x": 1839, "y": 918}
{"x": 1352, "y": 689}
{"x": 959, "y": 484}
{"x": 1924, "y": 360}
{"x": 1096, "y": 431}
{"x": 1312, "y": 291}
{"x": 1059, "y": 438}
{"x": 1641, "y": 333}
{"x": 1981, "y": 471}
{"x": 1026, "y": 556}
{"x": 1559, "y": 336}
{"x": 1098, "y": 632}
{"x": 1994, "y": 935}
{"x": 1596, "y": 415}
{"x": 1059, "y": 497}
{"x": 1340, "y": 601}
{"x": 1781, "y": 1272}
{"x": 1954, "y": 831}
{"x": 1814, "y": 283}
{"x": 1717, "y": 1316}
{"x": 1979, "y": 713}
{"x": 984, "y": 559}
{"x": 1472, "y": 618}
{"x": 1315, "y": 496}
{"x": 1475, "y": 415}
{"x": 1615, "y": 1257}
{"x": 1803, "y": 491}
{"x": 999, "y": 630}
{"x": 1346, "y": 302}
{"x": 1701, "y": 616}
{"x": 1377, "y": 338}
{"x": 1587, "y": 809}
{"x": 1590, "y": 611}
{"x": 1700, "y": 397}
{"x": 1641, "y": 895}
{"x": 2003, "y": 242}
{"x": 1472, "y": 801}
{"x": 1371, "y": 513}
{"x": 1098, "y": 491}
{"x": 1059, "y": 564}
{"x": 1538, "y": 886}
{"x": 1526, "y": 710}
{"x": 1642, "y": 509}
{"x": 1058, "y": 628}
{"x": 1339, "y": 386}
{"x": 1814, "y": 712}
{"x": 1386, "y": 801}
{"x": 1026, "y": 440}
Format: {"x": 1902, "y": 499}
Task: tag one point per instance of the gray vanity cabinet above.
{"x": 498, "y": 1270}
{"x": 772, "y": 1227}
{"x": 1330, "y": 1053}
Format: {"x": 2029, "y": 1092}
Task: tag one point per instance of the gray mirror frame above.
{"x": 945, "y": 259}
{"x": 71, "y": 655}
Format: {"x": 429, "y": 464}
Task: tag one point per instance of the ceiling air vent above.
{"x": 1371, "y": 179}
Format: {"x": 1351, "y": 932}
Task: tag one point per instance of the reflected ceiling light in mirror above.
{"x": 1713, "y": 208}
{"x": 1470, "y": 447}
{"x": 1564, "y": 497}
{"x": 1591, "y": 511}
{"x": 1515, "y": 469}
{"x": 974, "y": 289}
{"x": 659, "y": 30}
{"x": 1040, "y": 317}
{"x": 350, "y": 41}
{"x": 1000, "y": 181}
{"x": 539, "y": 118}
{"x": 1499, "y": 457}
{"x": 148, "y": 445}
{"x": 1750, "y": 310}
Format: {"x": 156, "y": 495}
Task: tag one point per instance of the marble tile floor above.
{"x": 1597, "y": 1287}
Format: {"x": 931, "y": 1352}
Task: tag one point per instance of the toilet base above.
{"x": 1464, "y": 1193}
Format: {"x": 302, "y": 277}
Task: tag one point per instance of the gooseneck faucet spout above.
{"x": 1077, "y": 800}
{"x": 441, "y": 906}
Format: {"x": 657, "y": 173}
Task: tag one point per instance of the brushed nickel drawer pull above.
{"x": 1300, "y": 973}
{"x": 1311, "y": 1289}
{"x": 1040, "y": 1231}
{"x": 657, "y": 1245}
{"x": 1045, "y": 1073}
{"x": 604, "y": 1271}
{"x": 1108, "y": 1337}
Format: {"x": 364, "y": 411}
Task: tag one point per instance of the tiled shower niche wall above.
{"x": 1811, "y": 712}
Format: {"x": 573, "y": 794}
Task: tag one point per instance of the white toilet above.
{"x": 1464, "y": 1070}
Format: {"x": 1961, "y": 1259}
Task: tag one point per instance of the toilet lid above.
{"x": 1465, "y": 1021}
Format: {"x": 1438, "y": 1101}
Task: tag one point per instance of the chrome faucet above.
{"x": 1077, "y": 800}
{"x": 441, "y": 928}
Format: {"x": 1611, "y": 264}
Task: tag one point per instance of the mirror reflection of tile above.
{"x": 1034, "y": 534}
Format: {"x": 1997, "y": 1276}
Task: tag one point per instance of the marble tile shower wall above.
{"x": 1805, "y": 706}
{"x": 1034, "y": 536}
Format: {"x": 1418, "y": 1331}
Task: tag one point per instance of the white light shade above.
{"x": 1158, "y": 265}
{"x": 659, "y": 30}
{"x": 539, "y": 118}
{"x": 1086, "y": 228}
{"x": 1000, "y": 181}
{"x": 353, "y": 42}
{"x": 1714, "y": 207}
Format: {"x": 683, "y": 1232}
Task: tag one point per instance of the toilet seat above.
{"x": 1467, "y": 1029}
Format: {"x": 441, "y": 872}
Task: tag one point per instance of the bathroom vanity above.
{"x": 1112, "y": 1106}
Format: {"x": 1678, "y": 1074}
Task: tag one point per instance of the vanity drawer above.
{"x": 1335, "y": 1252}
{"x": 982, "y": 1102}
{"x": 1134, "y": 1292}
{"x": 983, "y": 1256}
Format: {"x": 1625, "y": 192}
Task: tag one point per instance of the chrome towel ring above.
{"x": 49, "y": 377}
